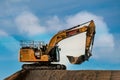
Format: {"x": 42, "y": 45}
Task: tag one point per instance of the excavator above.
{"x": 42, "y": 56}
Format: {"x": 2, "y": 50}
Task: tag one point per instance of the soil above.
{"x": 65, "y": 75}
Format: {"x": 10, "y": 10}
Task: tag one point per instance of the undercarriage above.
{"x": 44, "y": 66}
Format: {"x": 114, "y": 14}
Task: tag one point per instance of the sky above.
{"x": 41, "y": 19}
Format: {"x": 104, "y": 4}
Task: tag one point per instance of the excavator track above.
{"x": 43, "y": 67}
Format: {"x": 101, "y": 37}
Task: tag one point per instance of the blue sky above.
{"x": 41, "y": 19}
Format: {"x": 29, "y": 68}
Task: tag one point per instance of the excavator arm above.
{"x": 90, "y": 32}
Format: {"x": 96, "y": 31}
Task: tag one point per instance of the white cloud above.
{"x": 28, "y": 23}
{"x": 54, "y": 23}
{"x": 3, "y": 33}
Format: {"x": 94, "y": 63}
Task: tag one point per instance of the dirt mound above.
{"x": 65, "y": 75}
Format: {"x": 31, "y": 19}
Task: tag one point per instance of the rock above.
{"x": 65, "y": 75}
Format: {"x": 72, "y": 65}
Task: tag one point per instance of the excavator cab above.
{"x": 54, "y": 54}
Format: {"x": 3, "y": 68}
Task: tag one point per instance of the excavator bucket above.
{"x": 76, "y": 60}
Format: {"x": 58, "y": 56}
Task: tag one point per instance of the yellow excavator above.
{"x": 41, "y": 56}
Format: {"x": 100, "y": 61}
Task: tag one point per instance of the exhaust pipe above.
{"x": 76, "y": 60}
